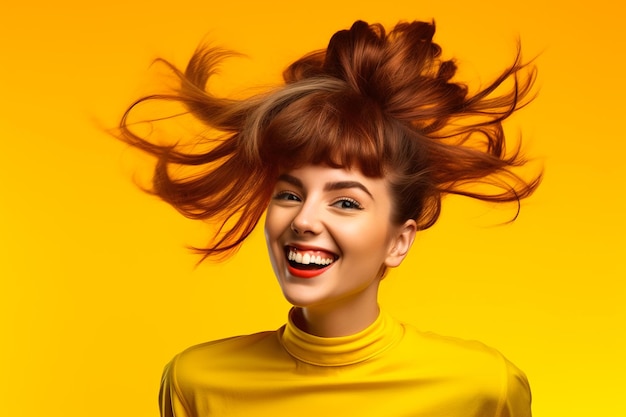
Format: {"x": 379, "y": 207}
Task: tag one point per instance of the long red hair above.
{"x": 384, "y": 103}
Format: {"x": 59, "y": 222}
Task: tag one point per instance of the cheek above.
{"x": 271, "y": 237}
{"x": 270, "y": 234}
{"x": 365, "y": 239}
{"x": 275, "y": 224}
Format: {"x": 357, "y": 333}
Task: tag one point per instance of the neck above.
{"x": 342, "y": 319}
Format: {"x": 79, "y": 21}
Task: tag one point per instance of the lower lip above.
{"x": 308, "y": 273}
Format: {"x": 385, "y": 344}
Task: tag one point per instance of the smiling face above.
{"x": 329, "y": 236}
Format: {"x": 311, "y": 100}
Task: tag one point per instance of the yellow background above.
{"x": 98, "y": 291}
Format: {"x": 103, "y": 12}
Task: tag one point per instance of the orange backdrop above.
{"x": 98, "y": 290}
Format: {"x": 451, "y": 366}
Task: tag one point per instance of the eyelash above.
{"x": 355, "y": 204}
{"x": 291, "y": 196}
{"x": 281, "y": 195}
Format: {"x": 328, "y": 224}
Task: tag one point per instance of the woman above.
{"x": 350, "y": 158}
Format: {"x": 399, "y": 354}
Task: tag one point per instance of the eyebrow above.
{"x": 330, "y": 186}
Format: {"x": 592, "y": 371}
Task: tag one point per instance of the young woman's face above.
{"x": 329, "y": 235}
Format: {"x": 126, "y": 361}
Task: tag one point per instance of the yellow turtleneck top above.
{"x": 389, "y": 369}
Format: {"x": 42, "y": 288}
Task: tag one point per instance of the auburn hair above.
{"x": 381, "y": 102}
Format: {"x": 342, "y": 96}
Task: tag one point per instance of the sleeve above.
{"x": 516, "y": 398}
{"x": 170, "y": 402}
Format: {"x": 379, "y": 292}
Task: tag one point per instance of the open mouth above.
{"x": 308, "y": 260}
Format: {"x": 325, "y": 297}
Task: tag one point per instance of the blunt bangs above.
{"x": 340, "y": 129}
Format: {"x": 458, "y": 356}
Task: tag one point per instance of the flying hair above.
{"x": 383, "y": 103}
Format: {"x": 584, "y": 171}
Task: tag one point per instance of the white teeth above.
{"x": 306, "y": 258}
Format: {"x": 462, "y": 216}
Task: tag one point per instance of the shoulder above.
{"x": 213, "y": 360}
{"x": 193, "y": 374}
{"x": 459, "y": 352}
{"x": 222, "y": 351}
{"x": 473, "y": 367}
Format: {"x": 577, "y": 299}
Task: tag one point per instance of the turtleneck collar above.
{"x": 344, "y": 350}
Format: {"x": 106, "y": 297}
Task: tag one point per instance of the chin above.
{"x": 303, "y": 296}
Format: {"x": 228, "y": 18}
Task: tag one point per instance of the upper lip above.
{"x": 304, "y": 247}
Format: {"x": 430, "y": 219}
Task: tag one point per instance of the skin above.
{"x": 343, "y": 216}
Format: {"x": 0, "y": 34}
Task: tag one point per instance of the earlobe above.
{"x": 402, "y": 243}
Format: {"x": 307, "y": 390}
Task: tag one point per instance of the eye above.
{"x": 286, "y": 196}
{"x": 347, "y": 204}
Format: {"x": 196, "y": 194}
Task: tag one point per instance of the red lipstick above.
{"x": 306, "y": 273}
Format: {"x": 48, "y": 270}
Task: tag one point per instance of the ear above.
{"x": 402, "y": 242}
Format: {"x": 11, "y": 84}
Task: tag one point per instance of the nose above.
{"x": 307, "y": 219}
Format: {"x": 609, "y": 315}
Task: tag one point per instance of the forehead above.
{"x": 325, "y": 172}
{"x": 331, "y": 179}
